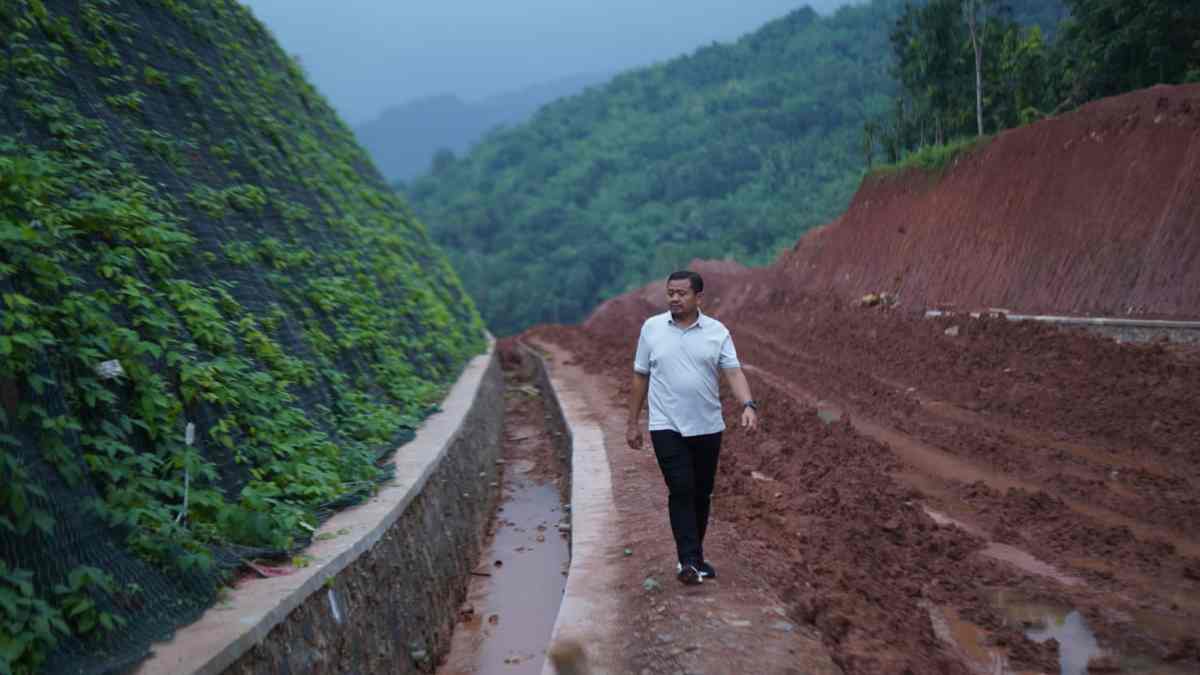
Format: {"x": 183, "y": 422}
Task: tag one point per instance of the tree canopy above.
{"x": 1104, "y": 47}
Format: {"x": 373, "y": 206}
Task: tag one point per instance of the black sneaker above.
{"x": 707, "y": 571}
{"x": 689, "y": 575}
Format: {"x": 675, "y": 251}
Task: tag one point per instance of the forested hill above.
{"x": 732, "y": 151}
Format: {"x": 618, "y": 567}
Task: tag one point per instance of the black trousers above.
{"x": 689, "y": 466}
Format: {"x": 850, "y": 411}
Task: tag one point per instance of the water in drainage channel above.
{"x": 505, "y": 624}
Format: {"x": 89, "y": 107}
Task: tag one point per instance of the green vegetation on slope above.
{"x": 215, "y": 318}
{"x": 734, "y": 150}
{"x": 1115, "y": 46}
{"x": 935, "y": 159}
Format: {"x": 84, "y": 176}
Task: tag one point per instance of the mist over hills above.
{"x": 403, "y": 139}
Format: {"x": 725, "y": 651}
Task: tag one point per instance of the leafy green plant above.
{"x": 118, "y": 338}
{"x": 29, "y": 625}
{"x": 161, "y": 145}
{"x": 78, "y": 605}
{"x": 190, "y": 85}
{"x": 936, "y": 158}
{"x": 130, "y": 103}
{"x": 153, "y": 76}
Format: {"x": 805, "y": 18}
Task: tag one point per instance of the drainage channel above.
{"x": 515, "y": 592}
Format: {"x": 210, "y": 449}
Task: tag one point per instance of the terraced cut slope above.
{"x": 216, "y": 318}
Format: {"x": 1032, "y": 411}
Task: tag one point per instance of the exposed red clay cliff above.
{"x": 1093, "y": 212}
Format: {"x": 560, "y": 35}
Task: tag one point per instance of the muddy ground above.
{"x": 932, "y": 503}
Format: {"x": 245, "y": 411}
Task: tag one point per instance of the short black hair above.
{"x": 696, "y": 280}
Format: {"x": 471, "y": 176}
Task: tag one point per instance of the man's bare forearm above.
{"x": 737, "y": 382}
{"x": 637, "y": 397}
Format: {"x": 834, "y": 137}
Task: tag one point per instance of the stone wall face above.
{"x": 393, "y": 609}
{"x": 555, "y": 420}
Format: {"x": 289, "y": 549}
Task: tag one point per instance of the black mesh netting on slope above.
{"x": 154, "y": 599}
{"x": 217, "y": 106}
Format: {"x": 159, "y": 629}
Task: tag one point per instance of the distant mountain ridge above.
{"x": 403, "y": 139}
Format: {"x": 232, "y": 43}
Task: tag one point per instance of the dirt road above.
{"x": 737, "y": 623}
{"x": 1007, "y": 499}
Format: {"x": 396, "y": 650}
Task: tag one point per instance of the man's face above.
{"x": 681, "y": 299}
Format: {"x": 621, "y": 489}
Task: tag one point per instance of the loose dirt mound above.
{"x": 1094, "y": 212}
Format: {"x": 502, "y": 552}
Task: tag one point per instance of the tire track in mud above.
{"x": 1134, "y": 509}
{"x": 1111, "y": 565}
{"x": 937, "y": 463}
{"x": 931, "y": 461}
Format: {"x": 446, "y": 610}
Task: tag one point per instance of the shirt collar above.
{"x": 699, "y": 318}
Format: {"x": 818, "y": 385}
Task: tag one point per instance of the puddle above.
{"x": 1077, "y": 644}
{"x": 1040, "y": 622}
{"x": 515, "y": 607}
{"x": 829, "y": 413}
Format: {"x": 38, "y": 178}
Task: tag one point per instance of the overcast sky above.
{"x": 365, "y": 55}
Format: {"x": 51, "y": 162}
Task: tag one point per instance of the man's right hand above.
{"x": 633, "y": 436}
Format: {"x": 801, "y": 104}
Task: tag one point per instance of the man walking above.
{"x": 678, "y": 355}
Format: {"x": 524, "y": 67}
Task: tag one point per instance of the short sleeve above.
{"x": 728, "y": 358}
{"x": 641, "y": 360}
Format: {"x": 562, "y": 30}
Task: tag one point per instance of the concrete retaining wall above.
{"x": 556, "y": 422}
{"x": 1121, "y": 330}
{"x": 1140, "y": 333}
{"x": 386, "y": 581}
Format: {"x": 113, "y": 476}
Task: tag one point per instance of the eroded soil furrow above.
{"x": 1117, "y": 487}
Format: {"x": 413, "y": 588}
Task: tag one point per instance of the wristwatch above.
{"x": 751, "y": 404}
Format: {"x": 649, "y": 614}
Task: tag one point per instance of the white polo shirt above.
{"x": 682, "y": 365}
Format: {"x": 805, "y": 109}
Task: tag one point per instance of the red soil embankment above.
{"x": 1094, "y": 212}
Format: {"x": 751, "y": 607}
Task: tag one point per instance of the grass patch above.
{"x": 933, "y": 158}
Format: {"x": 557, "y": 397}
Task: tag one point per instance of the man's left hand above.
{"x": 749, "y": 419}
